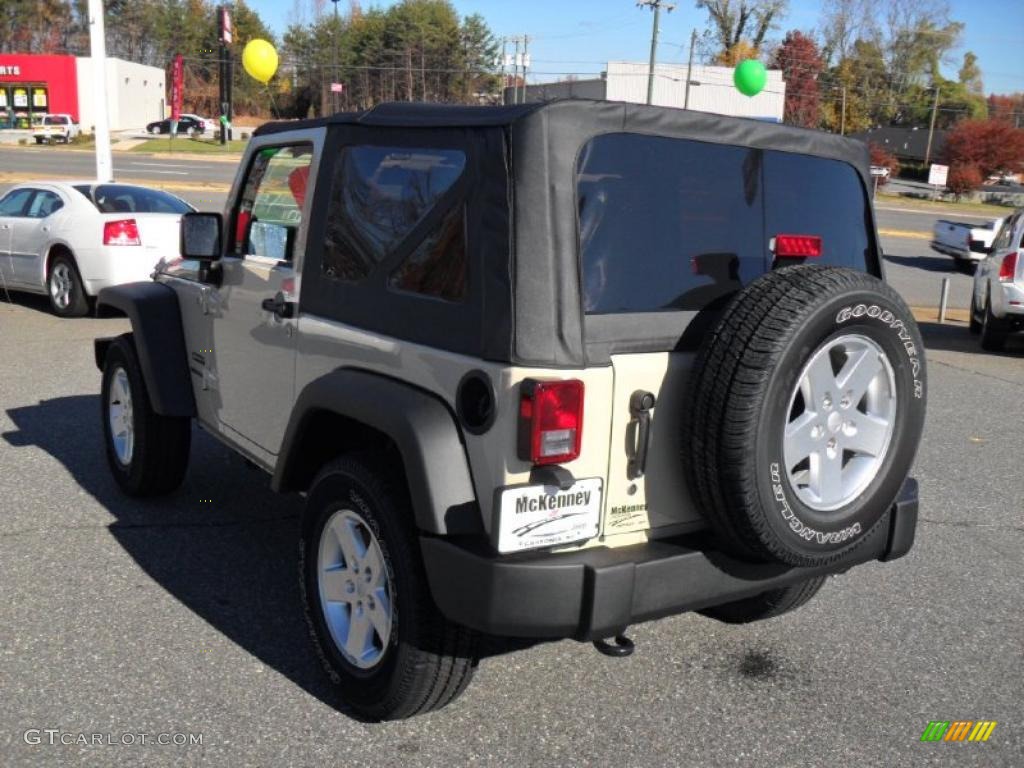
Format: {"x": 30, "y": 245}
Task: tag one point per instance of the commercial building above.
{"x": 711, "y": 89}
{"x": 33, "y": 85}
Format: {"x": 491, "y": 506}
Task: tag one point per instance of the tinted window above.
{"x": 667, "y": 224}
{"x": 121, "y": 198}
{"x": 270, "y": 211}
{"x": 814, "y": 196}
{"x": 378, "y": 196}
{"x": 57, "y": 120}
{"x": 13, "y": 204}
{"x": 674, "y": 224}
{"x": 43, "y": 204}
{"x": 438, "y": 265}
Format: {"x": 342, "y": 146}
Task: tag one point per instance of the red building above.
{"x": 31, "y": 84}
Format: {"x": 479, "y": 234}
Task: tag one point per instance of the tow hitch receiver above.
{"x": 623, "y": 647}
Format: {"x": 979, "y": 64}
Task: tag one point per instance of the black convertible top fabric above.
{"x": 543, "y": 143}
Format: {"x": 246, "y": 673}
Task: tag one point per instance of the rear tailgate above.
{"x": 670, "y": 231}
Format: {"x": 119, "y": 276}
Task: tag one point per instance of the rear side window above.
{"x": 56, "y": 120}
{"x": 122, "y": 198}
{"x": 674, "y": 224}
{"x": 378, "y": 197}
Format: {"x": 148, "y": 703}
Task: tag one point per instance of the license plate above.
{"x": 545, "y": 516}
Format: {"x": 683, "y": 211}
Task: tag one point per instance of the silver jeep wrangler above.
{"x": 540, "y": 371}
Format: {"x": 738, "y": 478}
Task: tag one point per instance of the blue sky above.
{"x": 578, "y": 36}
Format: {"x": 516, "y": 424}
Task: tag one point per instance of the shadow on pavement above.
{"x": 224, "y": 544}
{"x": 927, "y": 263}
{"x": 955, "y": 337}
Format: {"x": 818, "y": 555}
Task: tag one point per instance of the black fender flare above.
{"x": 159, "y": 342}
{"x": 419, "y": 423}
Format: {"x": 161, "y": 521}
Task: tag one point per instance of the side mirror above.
{"x": 201, "y": 236}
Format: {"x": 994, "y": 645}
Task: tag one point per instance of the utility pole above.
{"x": 526, "y": 62}
{"x": 515, "y": 73}
{"x": 842, "y": 120}
{"x": 931, "y": 128}
{"x": 656, "y": 6}
{"x": 334, "y": 57}
{"x": 98, "y": 53}
{"x": 689, "y": 70}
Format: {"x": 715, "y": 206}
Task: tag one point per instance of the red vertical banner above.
{"x": 177, "y": 87}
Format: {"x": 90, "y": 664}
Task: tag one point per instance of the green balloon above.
{"x": 750, "y": 77}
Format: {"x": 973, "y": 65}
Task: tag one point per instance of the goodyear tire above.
{"x": 806, "y": 407}
{"x": 376, "y": 629}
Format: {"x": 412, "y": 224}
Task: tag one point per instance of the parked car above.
{"x": 966, "y": 243}
{"x": 997, "y": 300}
{"x": 542, "y": 371}
{"x": 186, "y": 124}
{"x": 203, "y": 124}
{"x": 60, "y": 128}
{"x": 71, "y": 239}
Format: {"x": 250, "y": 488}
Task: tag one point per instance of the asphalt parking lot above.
{"x": 180, "y": 616}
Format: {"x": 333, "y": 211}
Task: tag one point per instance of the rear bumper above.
{"x": 956, "y": 252}
{"x": 598, "y": 592}
{"x": 1008, "y": 301}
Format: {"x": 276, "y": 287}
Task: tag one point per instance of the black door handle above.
{"x": 281, "y": 307}
{"x": 640, "y": 405}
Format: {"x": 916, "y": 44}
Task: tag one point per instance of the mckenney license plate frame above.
{"x": 533, "y": 516}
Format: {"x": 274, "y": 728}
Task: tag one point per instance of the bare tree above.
{"x": 843, "y": 23}
{"x": 738, "y": 20}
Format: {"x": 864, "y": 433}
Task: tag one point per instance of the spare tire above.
{"x": 805, "y": 409}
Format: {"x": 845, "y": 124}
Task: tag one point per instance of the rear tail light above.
{"x": 1008, "y": 267}
{"x": 797, "y": 246}
{"x": 550, "y": 420}
{"x": 121, "y": 232}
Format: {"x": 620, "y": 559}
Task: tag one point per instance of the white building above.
{"x": 711, "y": 89}
{"x": 135, "y": 94}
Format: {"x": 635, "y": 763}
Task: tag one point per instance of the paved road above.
{"x": 180, "y": 615}
{"x": 47, "y": 162}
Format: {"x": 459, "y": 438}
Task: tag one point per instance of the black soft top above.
{"x": 525, "y": 200}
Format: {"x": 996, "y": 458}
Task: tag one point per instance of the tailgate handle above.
{"x": 640, "y": 405}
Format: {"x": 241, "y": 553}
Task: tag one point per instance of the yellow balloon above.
{"x": 260, "y": 60}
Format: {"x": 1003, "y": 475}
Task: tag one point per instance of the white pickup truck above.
{"x": 966, "y": 243}
{"x": 56, "y": 128}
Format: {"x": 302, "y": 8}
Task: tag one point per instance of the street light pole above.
{"x": 98, "y": 53}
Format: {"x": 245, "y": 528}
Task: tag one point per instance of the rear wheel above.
{"x": 147, "y": 453}
{"x": 806, "y": 407}
{"x": 377, "y": 630}
{"x": 64, "y": 286}
{"x": 993, "y": 330}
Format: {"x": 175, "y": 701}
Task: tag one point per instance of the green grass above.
{"x": 194, "y": 146}
{"x": 899, "y": 201}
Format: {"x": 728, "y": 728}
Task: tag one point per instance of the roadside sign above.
{"x": 937, "y": 175}
{"x": 177, "y": 87}
{"x": 337, "y": 87}
{"x": 225, "y": 26}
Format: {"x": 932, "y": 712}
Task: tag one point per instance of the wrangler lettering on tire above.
{"x": 806, "y": 407}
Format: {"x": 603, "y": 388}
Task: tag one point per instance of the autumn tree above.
{"x": 883, "y": 159}
{"x": 964, "y": 178}
{"x": 1008, "y": 107}
{"x": 801, "y": 65}
{"x": 992, "y": 146}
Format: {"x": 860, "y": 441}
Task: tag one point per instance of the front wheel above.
{"x": 377, "y": 630}
{"x": 147, "y": 453}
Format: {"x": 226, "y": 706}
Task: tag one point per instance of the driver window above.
{"x": 14, "y": 203}
{"x": 270, "y": 213}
